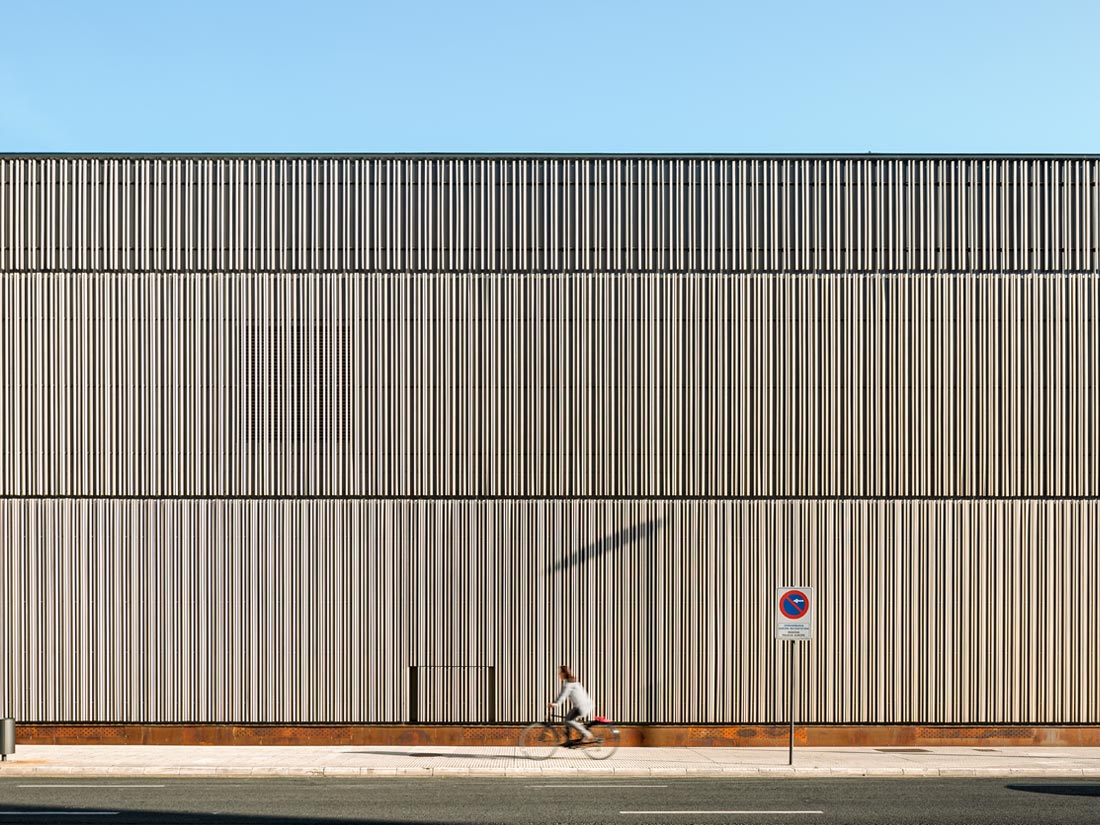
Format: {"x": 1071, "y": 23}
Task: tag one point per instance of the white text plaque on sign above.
{"x": 794, "y": 613}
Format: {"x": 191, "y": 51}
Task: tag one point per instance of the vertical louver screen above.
{"x": 372, "y": 439}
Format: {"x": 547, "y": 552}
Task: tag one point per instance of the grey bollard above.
{"x": 7, "y": 738}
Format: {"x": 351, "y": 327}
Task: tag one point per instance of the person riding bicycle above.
{"x": 583, "y": 706}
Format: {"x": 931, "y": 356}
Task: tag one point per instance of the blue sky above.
{"x": 561, "y": 76}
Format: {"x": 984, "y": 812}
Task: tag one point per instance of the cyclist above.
{"x": 583, "y": 706}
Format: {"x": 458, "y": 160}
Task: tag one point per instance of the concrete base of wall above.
{"x": 504, "y": 735}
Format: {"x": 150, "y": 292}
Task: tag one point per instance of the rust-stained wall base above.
{"x": 632, "y": 735}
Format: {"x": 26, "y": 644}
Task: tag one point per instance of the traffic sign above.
{"x": 794, "y": 604}
{"x": 794, "y": 621}
{"x": 794, "y": 618}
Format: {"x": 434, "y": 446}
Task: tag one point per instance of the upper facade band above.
{"x": 549, "y": 214}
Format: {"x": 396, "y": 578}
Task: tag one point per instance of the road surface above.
{"x": 128, "y": 801}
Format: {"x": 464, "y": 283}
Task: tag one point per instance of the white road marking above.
{"x": 576, "y": 785}
{"x": 785, "y": 813}
{"x": 58, "y": 813}
{"x": 90, "y": 786}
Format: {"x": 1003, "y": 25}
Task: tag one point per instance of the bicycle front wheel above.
{"x": 607, "y": 741}
{"x": 539, "y": 741}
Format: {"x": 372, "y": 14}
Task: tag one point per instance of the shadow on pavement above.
{"x": 1060, "y": 790}
{"x": 434, "y": 754}
{"x": 120, "y": 816}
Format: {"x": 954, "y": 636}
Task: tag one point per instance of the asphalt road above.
{"x": 127, "y": 801}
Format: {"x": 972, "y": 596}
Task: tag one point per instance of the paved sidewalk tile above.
{"x": 669, "y": 763}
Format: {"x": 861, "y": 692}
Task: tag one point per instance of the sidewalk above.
{"x": 396, "y": 761}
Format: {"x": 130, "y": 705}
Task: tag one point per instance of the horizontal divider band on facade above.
{"x": 620, "y": 156}
{"x": 775, "y": 736}
{"x": 397, "y": 275}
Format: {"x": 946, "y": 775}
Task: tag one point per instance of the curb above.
{"x": 335, "y": 772}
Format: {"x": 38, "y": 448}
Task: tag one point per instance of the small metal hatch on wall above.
{"x": 452, "y": 694}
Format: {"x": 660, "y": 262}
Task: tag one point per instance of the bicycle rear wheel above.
{"x": 607, "y": 741}
{"x": 539, "y": 741}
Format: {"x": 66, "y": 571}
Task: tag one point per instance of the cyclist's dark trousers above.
{"x": 571, "y": 720}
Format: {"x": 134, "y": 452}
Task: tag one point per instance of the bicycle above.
{"x": 541, "y": 739}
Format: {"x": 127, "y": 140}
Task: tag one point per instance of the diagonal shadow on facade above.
{"x": 643, "y": 532}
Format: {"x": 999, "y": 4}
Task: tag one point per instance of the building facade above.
{"x": 366, "y": 439}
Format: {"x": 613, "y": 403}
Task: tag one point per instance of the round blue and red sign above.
{"x": 793, "y": 604}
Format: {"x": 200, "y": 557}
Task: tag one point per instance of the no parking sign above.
{"x": 794, "y": 613}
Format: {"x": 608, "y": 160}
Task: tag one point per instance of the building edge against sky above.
{"x": 362, "y": 439}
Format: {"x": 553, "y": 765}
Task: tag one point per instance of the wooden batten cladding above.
{"x": 357, "y": 441}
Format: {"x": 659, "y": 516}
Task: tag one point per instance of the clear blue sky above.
{"x": 560, "y": 76}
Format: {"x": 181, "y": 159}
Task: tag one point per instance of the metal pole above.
{"x": 7, "y": 738}
{"x": 790, "y": 695}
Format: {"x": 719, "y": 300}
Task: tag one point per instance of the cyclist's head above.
{"x": 565, "y": 673}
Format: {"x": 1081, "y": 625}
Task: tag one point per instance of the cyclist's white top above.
{"x": 581, "y": 700}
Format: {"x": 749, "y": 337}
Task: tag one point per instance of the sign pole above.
{"x": 790, "y": 700}
{"x": 794, "y": 622}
